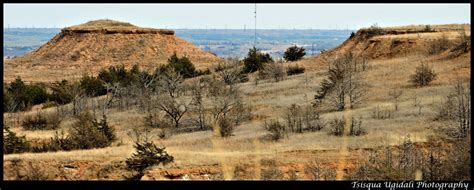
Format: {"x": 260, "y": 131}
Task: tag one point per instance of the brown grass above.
{"x": 269, "y": 101}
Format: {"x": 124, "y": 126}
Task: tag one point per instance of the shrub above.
{"x": 36, "y": 173}
{"x": 336, "y": 127}
{"x": 226, "y": 127}
{"x": 294, "y": 53}
{"x": 391, "y": 163}
{"x": 270, "y": 171}
{"x": 59, "y": 142}
{"x": 372, "y": 31}
{"x": 231, "y": 72}
{"x": 456, "y": 108}
{"x": 423, "y": 76}
{"x": 395, "y": 95}
{"x": 37, "y": 94}
{"x": 439, "y": 45}
{"x": 255, "y": 60}
{"x": 311, "y": 119}
{"x": 294, "y": 119}
{"x": 92, "y": 86}
{"x": 356, "y": 127}
{"x": 147, "y": 154}
{"x": 276, "y": 130}
{"x": 152, "y": 120}
{"x": 382, "y": 113}
{"x": 316, "y": 171}
{"x": 240, "y": 112}
{"x": 119, "y": 74}
{"x": 294, "y": 70}
{"x": 273, "y": 71}
{"x": 183, "y": 66}
{"x": 41, "y": 121}
{"x": 428, "y": 29}
{"x": 62, "y": 92}
{"x": 303, "y": 119}
{"x": 87, "y": 133}
{"x": 463, "y": 45}
{"x": 20, "y": 97}
{"x": 13, "y": 143}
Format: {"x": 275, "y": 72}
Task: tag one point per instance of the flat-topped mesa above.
{"x": 113, "y": 27}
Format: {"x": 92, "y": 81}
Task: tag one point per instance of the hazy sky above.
{"x": 288, "y": 16}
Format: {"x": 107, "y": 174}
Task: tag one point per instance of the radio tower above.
{"x": 255, "y": 42}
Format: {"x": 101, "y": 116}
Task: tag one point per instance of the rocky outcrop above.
{"x": 97, "y": 44}
{"x": 374, "y": 42}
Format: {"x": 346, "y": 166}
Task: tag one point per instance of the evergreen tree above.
{"x": 255, "y": 60}
{"x": 182, "y": 65}
{"x": 294, "y": 53}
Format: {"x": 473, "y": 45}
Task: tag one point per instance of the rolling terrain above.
{"x": 391, "y": 54}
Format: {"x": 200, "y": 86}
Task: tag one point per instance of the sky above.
{"x": 237, "y": 16}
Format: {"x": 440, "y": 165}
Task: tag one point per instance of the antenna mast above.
{"x": 255, "y": 43}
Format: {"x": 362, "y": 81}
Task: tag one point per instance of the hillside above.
{"x": 97, "y": 44}
{"x": 395, "y": 42}
{"x": 408, "y": 126}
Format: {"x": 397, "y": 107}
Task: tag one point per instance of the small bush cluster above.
{"x": 382, "y": 113}
{"x": 60, "y": 142}
{"x": 231, "y": 72}
{"x": 428, "y": 29}
{"x": 372, "y": 31}
{"x": 438, "y": 46}
{"x": 85, "y": 133}
{"x": 13, "y": 143}
{"x": 316, "y": 171}
{"x": 300, "y": 119}
{"x": 402, "y": 162}
{"x": 20, "y": 96}
{"x": 423, "y": 76}
{"x": 153, "y": 120}
{"x": 93, "y": 86}
{"x": 336, "y": 127}
{"x": 456, "y": 110}
{"x": 273, "y": 71}
{"x": 294, "y": 70}
{"x": 356, "y": 127}
{"x": 147, "y": 154}
{"x": 276, "y": 130}
{"x": 226, "y": 127}
{"x": 41, "y": 121}
{"x": 63, "y": 92}
{"x": 270, "y": 171}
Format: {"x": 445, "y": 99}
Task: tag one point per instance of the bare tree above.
{"x": 230, "y": 71}
{"x": 78, "y": 100}
{"x": 170, "y": 82}
{"x": 457, "y": 108}
{"x": 273, "y": 70}
{"x": 343, "y": 82}
{"x": 417, "y": 103}
{"x": 223, "y": 98}
{"x": 198, "y": 90}
{"x": 169, "y": 100}
{"x": 395, "y": 95}
{"x": 463, "y": 97}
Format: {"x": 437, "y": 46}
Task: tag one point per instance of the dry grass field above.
{"x": 204, "y": 155}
